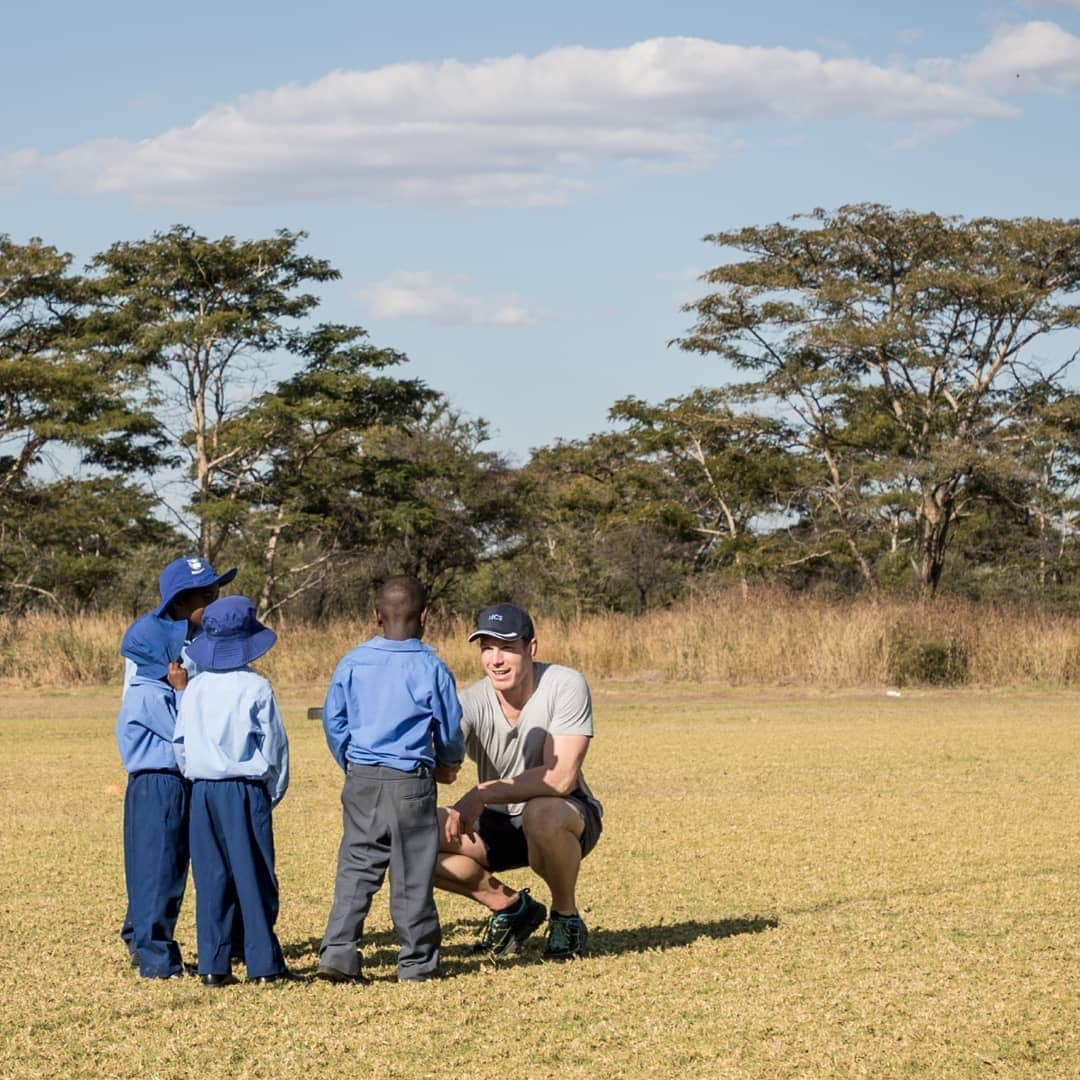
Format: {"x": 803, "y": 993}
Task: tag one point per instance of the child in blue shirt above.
{"x": 392, "y": 721}
{"x": 186, "y": 586}
{"x": 230, "y": 743}
{"x": 157, "y": 799}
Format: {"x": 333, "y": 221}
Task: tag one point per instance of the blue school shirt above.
{"x": 393, "y": 703}
{"x": 144, "y": 727}
{"x": 229, "y": 727}
{"x": 186, "y": 663}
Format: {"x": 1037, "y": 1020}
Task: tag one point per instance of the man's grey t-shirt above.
{"x": 560, "y": 705}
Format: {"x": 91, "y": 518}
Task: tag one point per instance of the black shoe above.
{"x": 278, "y": 976}
{"x": 423, "y": 976}
{"x": 506, "y": 930}
{"x": 218, "y": 980}
{"x": 567, "y": 935}
{"x": 335, "y": 975}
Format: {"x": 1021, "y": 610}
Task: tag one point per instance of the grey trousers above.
{"x": 388, "y": 820}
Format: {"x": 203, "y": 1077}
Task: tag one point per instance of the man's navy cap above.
{"x": 507, "y": 622}
{"x": 152, "y": 643}
{"x": 231, "y": 637}
{"x": 189, "y": 572}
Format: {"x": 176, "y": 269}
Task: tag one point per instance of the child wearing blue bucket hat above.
{"x": 185, "y": 586}
{"x": 157, "y": 798}
{"x": 230, "y": 743}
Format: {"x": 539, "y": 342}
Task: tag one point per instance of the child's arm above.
{"x": 178, "y": 743}
{"x": 275, "y": 748}
{"x": 449, "y": 741}
{"x": 335, "y": 719}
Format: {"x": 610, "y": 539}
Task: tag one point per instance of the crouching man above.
{"x": 527, "y": 725}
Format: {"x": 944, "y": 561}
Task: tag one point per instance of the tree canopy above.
{"x": 891, "y": 408}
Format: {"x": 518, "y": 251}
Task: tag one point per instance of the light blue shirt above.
{"x": 393, "y": 703}
{"x": 228, "y": 727}
{"x": 145, "y": 725}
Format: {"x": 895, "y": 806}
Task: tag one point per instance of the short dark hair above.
{"x": 402, "y": 598}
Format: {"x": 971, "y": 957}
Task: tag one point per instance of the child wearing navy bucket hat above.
{"x": 230, "y": 743}
{"x": 157, "y": 799}
{"x": 186, "y": 586}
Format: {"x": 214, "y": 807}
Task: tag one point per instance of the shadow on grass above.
{"x": 459, "y": 959}
{"x": 665, "y": 936}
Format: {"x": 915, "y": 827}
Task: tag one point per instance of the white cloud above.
{"x": 513, "y": 130}
{"x": 16, "y": 166}
{"x": 1018, "y": 59}
{"x": 1042, "y": 54}
{"x": 421, "y": 296}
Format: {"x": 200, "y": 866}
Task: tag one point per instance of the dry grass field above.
{"x": 790, "y": 884}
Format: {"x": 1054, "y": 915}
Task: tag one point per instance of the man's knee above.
{"x": 548, "y": 817}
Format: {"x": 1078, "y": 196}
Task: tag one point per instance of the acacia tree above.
{"x": 205, "y": 317}
{"x": 63, "y": 389}
{"x": 901, "y": 345}
{"x": 603, "y": 528}
{"x": 730, "y": 467}
{"x": 299, "y": 466}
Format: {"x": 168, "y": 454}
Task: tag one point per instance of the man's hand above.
{"x": 176, "y": 676}
{"x": 446, "y": 774}
{"x": 469, "y": 808}
{"x": 452, "y": 827}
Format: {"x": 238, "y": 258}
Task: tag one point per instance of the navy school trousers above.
{"x": 232, "y": 860}
{"x": 156, "y": 806}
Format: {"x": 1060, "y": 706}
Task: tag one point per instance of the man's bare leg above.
{"x": 462, "y": 868}
{"x": 553, "y": 828}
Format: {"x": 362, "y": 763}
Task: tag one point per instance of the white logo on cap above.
{"x": 195, "y": 566}
{"x": 495, "y": 618}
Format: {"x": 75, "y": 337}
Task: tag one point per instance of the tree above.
{"x": 205, "y": 317}
{"x": 58, "y": 384}
{"x": 445, "y": 504}
{"x": 63, "y": 392}
{"x": 602, "y": 529}
{"x": 300, "y": 466}
{"x": 731, "y": 468}
{"x": 900, "y": 347}
{"x": 80, "y": 544}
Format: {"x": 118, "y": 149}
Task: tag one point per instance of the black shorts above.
{"x": 504, "y": 838}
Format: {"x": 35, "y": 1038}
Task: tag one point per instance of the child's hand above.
{"x": 177, "y": 676}
{"x": 446, "y": 774}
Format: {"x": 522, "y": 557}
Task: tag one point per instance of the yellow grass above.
{"x": 768, "y": 638}
{"x": 789, "y": 884}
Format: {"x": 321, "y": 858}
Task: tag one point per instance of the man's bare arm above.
{"x": 557, "y": 776}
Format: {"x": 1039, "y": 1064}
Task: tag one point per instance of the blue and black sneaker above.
{"x": 567, "y": 935}
{"x": 506, "y": 930}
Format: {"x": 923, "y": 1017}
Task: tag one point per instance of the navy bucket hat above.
{"x": 189, "y": 572}
{"x": 152, "y": 643}
{"x": 231, "y": 637}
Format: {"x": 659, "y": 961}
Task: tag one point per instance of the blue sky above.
{"x": 516, "y": 194}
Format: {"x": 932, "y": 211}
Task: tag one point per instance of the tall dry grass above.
{"x": 766, "y": 638}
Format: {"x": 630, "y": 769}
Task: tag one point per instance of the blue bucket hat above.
{"x": 231, "y": 637}
{"x": 189, "y": 572}
{"x": 152, "y": 643}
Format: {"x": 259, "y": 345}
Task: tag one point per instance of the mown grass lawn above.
{"x": 787, "y": 885}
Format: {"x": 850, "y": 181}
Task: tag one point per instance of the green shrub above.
{"x": 922, "y": 659}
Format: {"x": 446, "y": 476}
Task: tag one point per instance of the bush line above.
{"x": 766, "y": 638}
